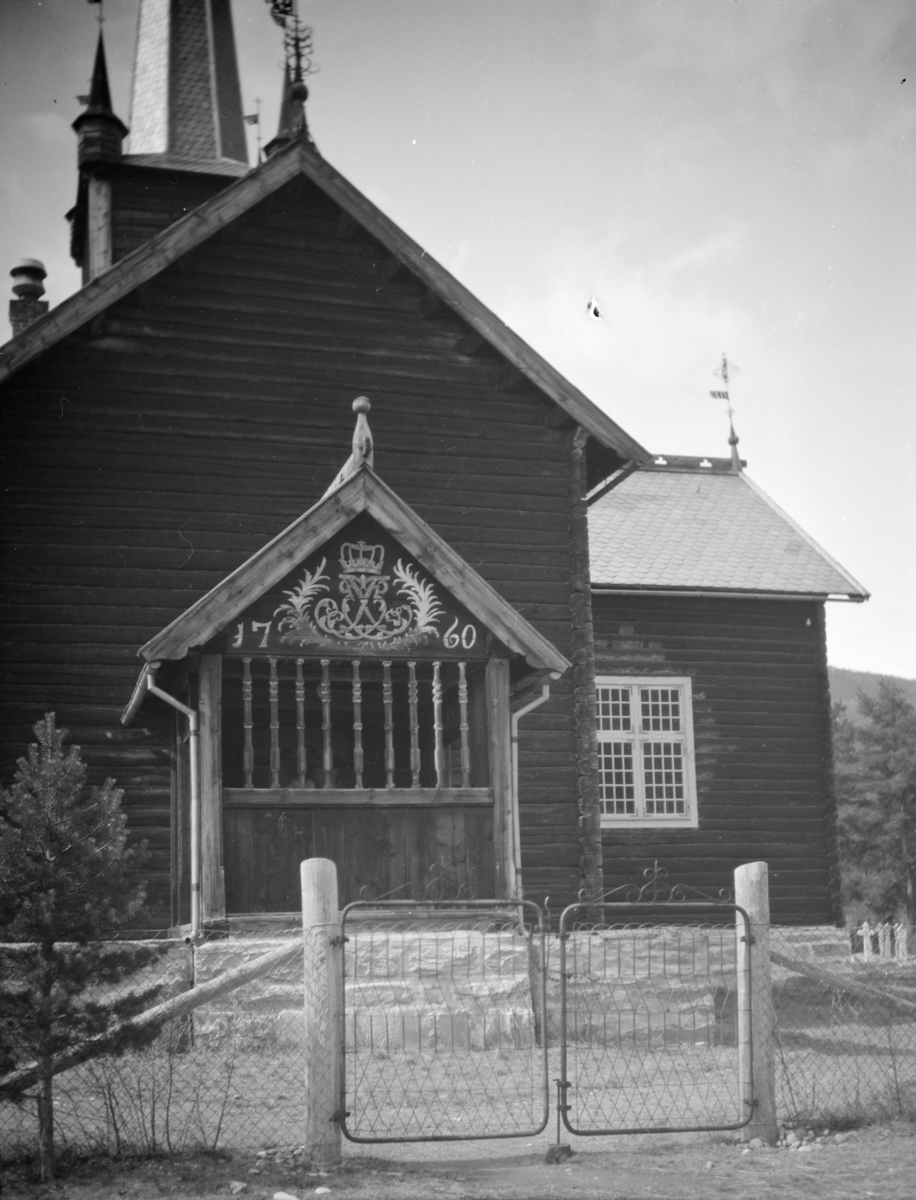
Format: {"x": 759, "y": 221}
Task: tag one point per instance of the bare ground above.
{"x": 877, "y": 1162}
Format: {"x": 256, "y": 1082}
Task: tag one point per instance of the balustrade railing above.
{"x": 324, "y": 723}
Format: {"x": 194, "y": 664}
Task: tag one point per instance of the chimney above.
{"x": 28, "y": 306}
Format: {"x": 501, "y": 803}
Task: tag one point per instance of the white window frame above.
{"x": 636, "y": 737}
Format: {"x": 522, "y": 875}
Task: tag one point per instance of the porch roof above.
{"x": 360, "y": 492}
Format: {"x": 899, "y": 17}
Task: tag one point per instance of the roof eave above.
{"x": 685, "y": 590}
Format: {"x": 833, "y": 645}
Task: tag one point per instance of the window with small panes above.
{"x": 646, "y": 770}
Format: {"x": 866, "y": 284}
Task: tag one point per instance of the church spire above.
{"x": 99, "y": 132}
{"x": 186, "y": 100}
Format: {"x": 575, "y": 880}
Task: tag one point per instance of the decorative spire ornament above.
{"x": 722, "y": 373}
{"x": 297, "y": 46}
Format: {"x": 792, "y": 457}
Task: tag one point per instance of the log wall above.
{"x": 152, "y": 452}
{"x": 761, "y": 714}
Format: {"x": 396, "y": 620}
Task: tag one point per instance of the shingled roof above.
{"x": 680, "y": 526}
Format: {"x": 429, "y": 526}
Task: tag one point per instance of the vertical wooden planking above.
{"x": 414, "y": 725}
{"x": 438, "y": 753}
{"x": 388, "y": 699}
{"x": 463, "y": 725}
{"x": 357, "y": 689}
{"x": 324, "y": 692}
{"x": 497, "y": 683}
{"x": 274, "y": 687}
{"x": 248, "y": 722}
{"x": 212, "y": 885}
{"x": 301, "y": 763}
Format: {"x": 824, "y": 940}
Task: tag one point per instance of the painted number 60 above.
{"x": 452, "y": 639}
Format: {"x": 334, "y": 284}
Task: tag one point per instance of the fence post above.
{"x": 323, "y": 1026}
{"x": 756, "y": 1023}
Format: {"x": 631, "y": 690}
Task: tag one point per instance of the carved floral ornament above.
{"x": 373, "y": 609}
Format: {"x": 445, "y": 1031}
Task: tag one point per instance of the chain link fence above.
{"x": 228, "y": 1074}
{"x": 844, "y": 1032}
{"x": 446, "y": 1037}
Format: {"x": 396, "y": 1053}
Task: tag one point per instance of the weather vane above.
{"x": 722, "y": 372}
{"x": 297, "y": 37}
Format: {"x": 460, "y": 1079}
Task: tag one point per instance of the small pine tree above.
{"x": 66, "y": 886}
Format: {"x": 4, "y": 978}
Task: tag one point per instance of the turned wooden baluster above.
{"x": 324, "y": 691}
{"x": 357, "y": 725}
{"x": 248, "y": 723}
{"x": 438, "y": 751}
{"x": 301, "y": 764}
{"x": 388, "y": 698}
{"x": 414, "y": 725}
{"x": 463, "y": 726}
{"x": 274, "y": 686}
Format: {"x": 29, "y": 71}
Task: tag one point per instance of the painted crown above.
{"x": 361, "y": 558}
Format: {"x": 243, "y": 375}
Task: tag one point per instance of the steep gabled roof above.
{"x": 361, "y": 492}
{"x": 301, "y": 158}
{"x": 706, "y": 529}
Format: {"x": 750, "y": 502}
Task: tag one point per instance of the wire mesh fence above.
{"x": 228, "y": 1074}
{"x": 844, "y": 1033}
{"x": 443, "y": 1015}
{"x": 650, "y": 1036}
{"x": 447, "y": 1035}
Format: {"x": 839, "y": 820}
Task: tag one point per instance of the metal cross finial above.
{"x": 722, "y": 373}
{"x": 297, "y": 42}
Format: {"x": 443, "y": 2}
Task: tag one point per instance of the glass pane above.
{"x": 614, "y": 713}
{"x": 663, "y": 776}
{"x": 660, "y": 709}
{"x": 617, "y": 785}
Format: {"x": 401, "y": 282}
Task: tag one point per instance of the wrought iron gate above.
{"x": 651, "y": 1040}
{"x": 443, "y": 1009}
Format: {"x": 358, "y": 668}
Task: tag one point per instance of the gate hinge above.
{"x": 750, "y": 939}
{"x": 338, "y": 941}
{"x": 337, "y": 1117}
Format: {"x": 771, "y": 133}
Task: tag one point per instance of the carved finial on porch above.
{"x": 362, "y": 436}
{"x": 362, "y": 452}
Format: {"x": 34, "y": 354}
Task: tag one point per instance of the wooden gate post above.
{"x": 323, "y": 1025}
{"x": 756, "y": 1022}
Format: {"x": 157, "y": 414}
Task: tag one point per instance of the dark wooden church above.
{"x": 401, "y": 595}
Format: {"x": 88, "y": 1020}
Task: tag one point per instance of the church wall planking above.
{"x": 155, "y": 450}
{"x": 758, "y": 671}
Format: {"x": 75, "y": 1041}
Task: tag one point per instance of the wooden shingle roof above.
{"x": 706, "y": 530}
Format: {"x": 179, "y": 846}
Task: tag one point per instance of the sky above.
{"x": 719, "y": 175}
